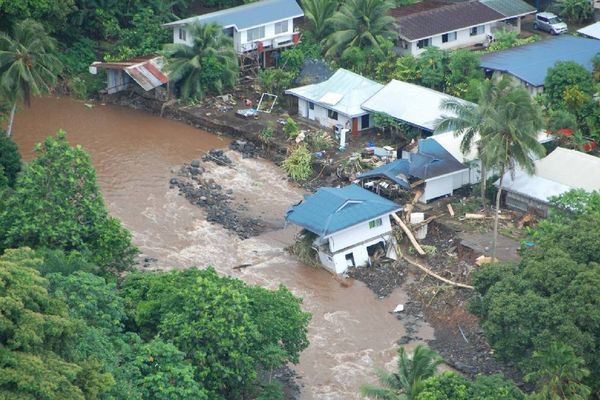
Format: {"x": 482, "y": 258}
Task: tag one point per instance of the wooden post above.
{"x": 409, "y": 234}
{"x": 450, "y": 210}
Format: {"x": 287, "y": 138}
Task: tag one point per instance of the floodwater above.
{"x": 135, "y": 154}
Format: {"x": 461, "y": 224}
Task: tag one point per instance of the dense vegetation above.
{"x": 551, "y": 299}
{"x": 67, "y": 331}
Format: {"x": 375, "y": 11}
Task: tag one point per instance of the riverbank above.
{"x": 458, "y": 336}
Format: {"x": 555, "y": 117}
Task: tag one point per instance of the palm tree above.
{"x": 472, "y": 122}
{"x": 512, "y": 138}
{"x": 559, "y": 373}
{"x": 28, "y": 65}
{"x": 316, "y": 14}
{"x": 362, "y": 24}
{"x": 407, "y": 382}
{"x": 210, "y": 64}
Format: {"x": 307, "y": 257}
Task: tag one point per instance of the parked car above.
{"x": 550, "y": 23}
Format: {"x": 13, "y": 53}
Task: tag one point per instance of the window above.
{"x": 424, "y": 43}
{"x": 255, "y": 33}
{"x": 281, "y": 27}
{"x": 311, "y": 106}
{"x": 375, "y": 223}
{"x": 182, "y": 34}
{"x": 477, "y": 30}
{"x": 449, "y": 37}
{"x": 332, "y": 114}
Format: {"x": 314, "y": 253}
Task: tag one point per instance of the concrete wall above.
{"x": 358, "y": 233}
{"x": 321, "y": 115}
{"x": 519, "y": 202}
{"x": 241, "y": 42}
{"x": 463, "y": 39}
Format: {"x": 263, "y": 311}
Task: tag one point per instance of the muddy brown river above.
{"x": 135, "y": 155}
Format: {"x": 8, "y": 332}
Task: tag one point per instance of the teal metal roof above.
{"x": 331, "y": 210}
{"x": 531, "y": 62}
{"x": 344, "y": 92}
{"x": 248, "y": 15}
{"x": 509, "y": 8}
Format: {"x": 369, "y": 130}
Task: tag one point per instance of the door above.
{"x": 355, "y": 126}
{"x": 311, "y": 110}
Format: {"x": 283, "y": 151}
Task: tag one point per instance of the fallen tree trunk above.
{"x": 409, "y": 234}
{"x": 436, "y": 276}
{"x": 424, "y": 222}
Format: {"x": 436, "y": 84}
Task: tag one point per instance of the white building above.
{"x": 337, "y": 101}
{"x": 266, "y": 26}
{"x": 351, "y": 223}
{"x": 455, "y": 25}
{"x": 557, "y": 173}
{"x": 415, "y": 105}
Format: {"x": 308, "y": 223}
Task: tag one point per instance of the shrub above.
{"x": 298, "y": 165}
{"x": 291, "y": 128}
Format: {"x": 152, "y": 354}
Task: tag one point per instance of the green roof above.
{"x": 509, "y": 8}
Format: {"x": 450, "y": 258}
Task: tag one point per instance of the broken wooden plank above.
{"x": 416, "y": 183}
{"x": 436, "y": 276}
{"x": 450, "y": 210}
{"x": 412, "y": 239}
{"x": 409, "y": 207}
{"x": 483, "y": 216}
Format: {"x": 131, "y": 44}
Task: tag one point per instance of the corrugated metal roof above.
{"x": 354, "y": 89}
{"x": 248, "y": 15}
{"x": 531, "y": 62}
{"x": 331, "y": 210}
{"x": 593, "y": 30}
{"x": 414, "y": 104}
{"x": 510, "y": 8}
{"x": 572, "y": 168}
{"x": 532, "y": 186}
{"x": 430, "y": 161}
{"x": 148, "y": 74}
{"x": 558, "y": 172}
{"x": 422, "y": 20}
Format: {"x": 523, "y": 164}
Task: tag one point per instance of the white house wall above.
{"x": 358, "y": 233}
{"x": 240, "y": 38}
{"x": 338, "y": 264}
{"x": 463, "y": 39}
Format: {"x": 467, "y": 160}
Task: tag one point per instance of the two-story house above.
{"x": 265, "y": 26}
{"x": 448, "y": 25}
{"x": 351, "y": 224}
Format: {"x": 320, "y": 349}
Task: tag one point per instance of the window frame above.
{"x": 182, "y": 34}
{"x": 450, "y": 37}
{"x": 311, "y": 105}
{"x": 332, "y": 115}
{"x": 428, "y": 42}
{"x": 474, "y": 31}
{"x": 280, "y": 24}
{"x": 375, "y": 223}
{"x": 250, "y": 34}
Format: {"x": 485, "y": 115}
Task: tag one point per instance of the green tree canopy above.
{"x": 563, "y": 75}
{"x": 226, "y": 329}
{"x": 360, "y": 23}
{"x": 28, "y": 64}
{"x": 57, "y": 204}
{"x": 210, "y": 64}
{"x": 10, "y": 159}
{"x": 36, "y": 333}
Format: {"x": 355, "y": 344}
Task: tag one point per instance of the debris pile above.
{"x": 209, "y": 195}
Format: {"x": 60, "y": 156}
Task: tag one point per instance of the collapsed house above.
{"x": 144, "y": 71}
{"x": 350, "y": 223}
{"x": 429, "y": 166}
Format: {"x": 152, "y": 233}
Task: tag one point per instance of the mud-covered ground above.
{"x": 458, "y": 335}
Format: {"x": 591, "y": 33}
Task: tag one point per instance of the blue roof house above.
{"x": 266, "y": 25}
{"x": 529, "y": 64}
{"x": 430, "y": 166}
{"x": 350, "y": 224}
